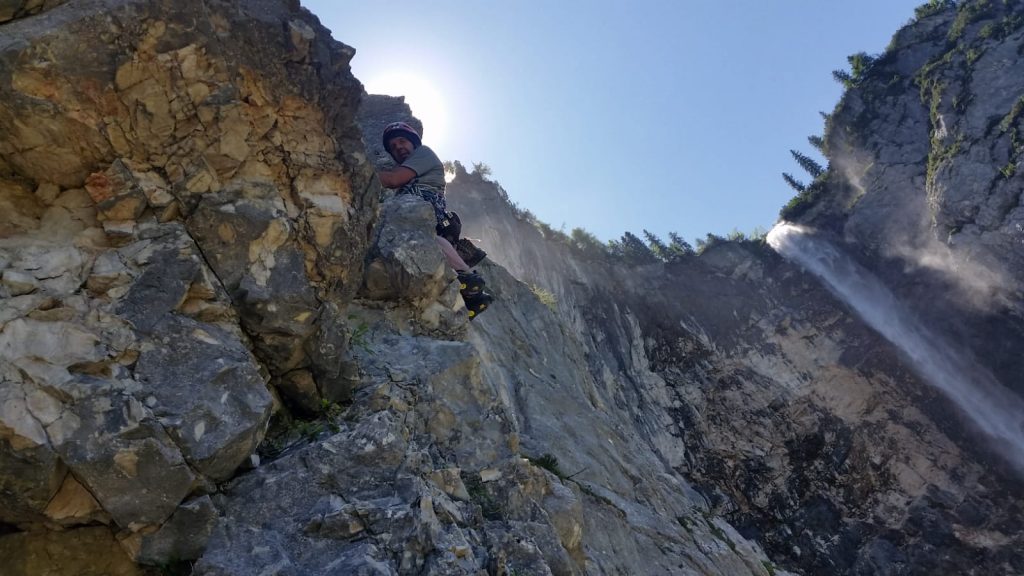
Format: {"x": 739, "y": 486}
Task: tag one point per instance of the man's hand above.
{"x": 397, "y": 177}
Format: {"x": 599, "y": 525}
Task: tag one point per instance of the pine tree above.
{"x": 586, "y": 242}
{"x": 818, "y": 142}
{"x": 658, "y": 247}
{"x": 615, "y": 249}
{"x": 807, "y": 163}
{"x": 482, "y": 170}
{"x": 860, "y": 63}
{"x": 678, "y": 246}
{"x": 708, "y": 242}
{"x": 635, "y": 251}
{"x": 793, "y": 182}
{"x": 843, "y": 77}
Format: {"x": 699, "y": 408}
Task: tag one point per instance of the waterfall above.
{"x": 991, "y": 407}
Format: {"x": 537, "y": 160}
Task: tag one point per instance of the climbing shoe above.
{"x": 470, "y": 284}
{"x": 469, "y": 253}
{"x": 477, "y": 303}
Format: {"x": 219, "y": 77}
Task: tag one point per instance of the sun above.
{"x": 422, "y": 96}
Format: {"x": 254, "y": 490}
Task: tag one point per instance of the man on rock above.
{"x": 421, "y": 173}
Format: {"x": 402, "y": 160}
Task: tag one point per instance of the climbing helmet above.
{"x": 396, "y": 129}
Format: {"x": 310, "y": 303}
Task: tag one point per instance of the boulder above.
{"x": 406, "y": 263}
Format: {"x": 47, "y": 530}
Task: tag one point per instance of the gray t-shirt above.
{"x": 428, "y": 168}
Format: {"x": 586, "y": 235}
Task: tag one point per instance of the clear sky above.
{"x": 669, "y": 115}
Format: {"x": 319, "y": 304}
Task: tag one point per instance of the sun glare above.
{"x": 425, "y": 100}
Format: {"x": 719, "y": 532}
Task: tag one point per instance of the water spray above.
{"x": 991, "y": 407}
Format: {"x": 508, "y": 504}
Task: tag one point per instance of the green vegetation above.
{"x": 548, "y": 462}
{"x": 678, "y": 247}
{"x": 802, "y": 202}
{"x": 632, "y": 250}
{"x": 941, "y": 154}
{"x": 818, "y": 142}
{"x": 545, "y": 296}
{"x": 481, "y": 169}
{"x": 287, "y": 431}
{"x": 490, "y": 508}
{"x": 933, "y": 7}
{"x": 769, "y": 567}
{"x": 550, "y": 233}
{"x": 806, "y": 194}
{"x": 1002, "y": 29}
{"x": 1007, "y": 122}
{"x": 860, "y": 65}
{"x": 718, "y": 533}
{"x": 710, "y": 241}
{"x": 793, "y": 182}
{"x": 358, "y": 333}
{"x": 966, "y": 13}
{"x": 1010, "y": 123}
{"x": 808, "y": 164}
{"x": 685, "y": 523}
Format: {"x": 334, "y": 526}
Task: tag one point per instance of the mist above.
{"x": 993, "y": 409}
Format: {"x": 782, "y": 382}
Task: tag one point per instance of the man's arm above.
{"x": 397, "y": 177}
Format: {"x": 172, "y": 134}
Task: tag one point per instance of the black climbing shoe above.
{"x": 477, "y": 303}
{"x": 469, "y": 253}
{"x": 470, "y": 284}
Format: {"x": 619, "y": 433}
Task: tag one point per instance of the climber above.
{"x": 420, "y": 172}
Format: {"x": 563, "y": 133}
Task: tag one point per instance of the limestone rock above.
{"x": 19, "y": 283}
{"x": 929, "y": 185}
{"x": 456, "y": 406}
{"x": 299, "y": 390}
{"x": 450, "y": 481}
{"x": 33, "y": 473}
{"x": 208, "y": 392}
{"x": 73, "y": 504}
{"x": 132, "y": 352}
{"x": 90, "y": 551}
{"x": 127, "y": 460}
{"x": 186, "y": 207}
{"x": 182, "y": 536}
{"x": 406, "y": 263}
{"x": 116, "y": 194}
{"x": 303, "y": 499}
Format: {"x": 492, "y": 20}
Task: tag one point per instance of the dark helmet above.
{"x": 396, "y": 129}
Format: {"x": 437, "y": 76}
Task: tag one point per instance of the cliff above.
{"x": 225, "y": 350}
{"x": 807, "y": 430}
{"x": 221, "y": 354}
{"x": 925, "y": 184}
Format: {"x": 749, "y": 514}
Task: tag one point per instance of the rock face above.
{"x": 222, "y": 344}
{"x": 190, "y": 241}
{"x": 797, "y": 423}
{"x": 186, "y": 205}
{"x": 424, "y": 472}
{"x": 926, "y": 180}
{"x": 804, "y": 428}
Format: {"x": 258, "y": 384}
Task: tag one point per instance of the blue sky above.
{"x": 613, "y": 116}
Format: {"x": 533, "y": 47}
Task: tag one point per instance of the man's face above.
{"x": 400, "y": 148}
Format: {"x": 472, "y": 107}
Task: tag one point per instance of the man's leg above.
{"x": 471, "y": 283}
{"x": 457, "y": 263}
